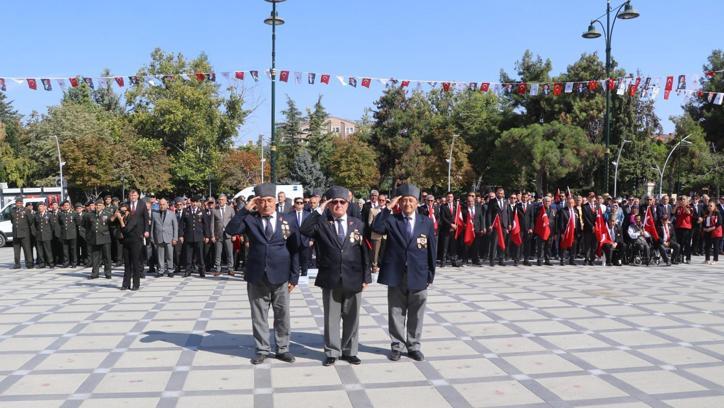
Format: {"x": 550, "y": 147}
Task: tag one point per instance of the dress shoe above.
{"x": 134, "y": 288}
{"x": 286, "y": 357}
{"x": 394, "y": 355}
{"x": 93, "y": 277}
{"x": 354, "y": 360}
{"x": 16, "y": 266}
{"x": 515, "y": 263}
{"x": 416, "y": 355}
{"x": 170, "y": 275}
{"x": 187, "y": 274}
{"x": 258, "y": 359}
{"x": 124, "y": 287}
{"x": 202, "y": 274}
{"x": 539, "y": 262}
{"x": 159, "y": 274}
{"x": 217, "y": 273}
{"x": 108, "y": 276}
{"x": 526, "y": 263}
{"x": 329, "y": 361}
{"x": 548, "y": 263}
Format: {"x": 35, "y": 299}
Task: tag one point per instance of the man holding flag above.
{"x": 544, "y": 214}
{"x": 497, "y": 218}
{"x": 516, "y": 233}
{"x": 473, "y": 225}
{"x": 568, "y": 222}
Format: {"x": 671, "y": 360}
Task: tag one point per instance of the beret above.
{"x": 265, "y": 190}
{"x": 337, "y": 192}
{"x": 408, "y": 190}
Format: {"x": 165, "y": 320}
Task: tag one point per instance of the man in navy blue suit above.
{"x": 272, "y": 268}
{"x": 305, "y": 243}
{"x": 343, "y": 272}
{"x": 408, "y": 268}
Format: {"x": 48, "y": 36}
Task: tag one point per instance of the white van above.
{"x": 292, "y": 191}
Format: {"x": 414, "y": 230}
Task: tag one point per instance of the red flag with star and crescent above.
{"x": 602, "y": 235}
{"x": 650, "y": 225}
{"x": 498, "y": 227}
{"x": 569, "y": 234}
{"x": 515, "y": 230}
{"x": 542, "y": 224}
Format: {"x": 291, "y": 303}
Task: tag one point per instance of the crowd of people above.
{"x": 273, "y": 240}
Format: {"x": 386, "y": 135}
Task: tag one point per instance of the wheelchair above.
{"x": 637, "y": 256}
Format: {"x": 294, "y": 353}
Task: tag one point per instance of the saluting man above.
{"x": 98, "y": 236}
{"x": 408, "y": 268}
{"x": 343, "y": 272}
{"x": 23, "y": 229}
{"x": 272, "y": 268}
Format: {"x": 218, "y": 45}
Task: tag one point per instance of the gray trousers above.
{"x": 164, "y": 254}
{"x": 406, "y": 308}
{"x": 224, "y": 245}
{"x": 340, "y": 304}
{"x": 261, "y": 296}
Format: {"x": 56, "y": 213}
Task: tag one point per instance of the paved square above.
{"x": 503, "y": 336}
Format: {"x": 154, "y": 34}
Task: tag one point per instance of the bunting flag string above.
{"x": 639, "y": 86}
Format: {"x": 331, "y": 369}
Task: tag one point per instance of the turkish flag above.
{"x": 446, "y": 86}
{"x": 485, "y": 86}
{"x": 119, "y": 81}
{"x": 73, "y": 82}
{"x": 200, "y": 76}
{"x": 515, "y": 231}
{"x": 650, "y": 225}
{"x": 592, "y": 86}
{"x": 431, "y": 216}
{"x": 569, "y": 235}
{"x": 557, "y": 88}
{"x": 521, "y": 88}
{"x": 542, "y": 225}
{"x": 32, "y": 84}
{"x": 405, "y": 84}
{"x": 499, "y": 231}
{"x": 366, "y": 82}
{"x": 634, "y": 87}
{"x": 558, "y": 195}
{"x": 458, "y": 221}
{"x": 611, "y": 84}
{"x": 324, "y": 79}
{"x": 239, "y": 75}
{"x": 284, "y": 76}
{"x": 669, "y": 86}
{"x": 601, "y": 231}
{"x": 469, "y": 237}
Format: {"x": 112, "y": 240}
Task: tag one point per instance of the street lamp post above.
{"x": 628, "y": 13}
{"x": 261, "y": 156}
{"x": 60, "y": 166}
{"x": 273, "y": 20}
{"x": 663, "y": 169}
{"x": 616, "y": 163}
{"x": 449, "y": 163}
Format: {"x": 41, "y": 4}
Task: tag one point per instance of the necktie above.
{"x": 133, "y": 206}
{"x": 268, "y": 228}
{"x": 222, "y": 213}
{"x": 472, "y": 211}
{"x": 299, "y": 217}
{"x": 163, "y": 216}
{"x": 340, "y": 231}
{"x": 409, "y": 227}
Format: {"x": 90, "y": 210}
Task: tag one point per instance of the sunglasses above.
{"x": 338, "y": 202}
{"x": 299, "y": 202}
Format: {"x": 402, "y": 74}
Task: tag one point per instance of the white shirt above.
{"x": 272, "y": 219}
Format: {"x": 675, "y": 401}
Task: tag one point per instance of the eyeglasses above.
{"x": 338, "y": 202}
{"x": 299, "y": 202}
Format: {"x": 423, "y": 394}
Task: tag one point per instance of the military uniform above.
{"x": 98, "y": 236}
{"x": 116, "y": 243}
{"x": 83, "y": 248}
{"x": 45, "y": 225}
{"x": 68, "y": 231}
{"x": 194, "y": 229}
{"x": 23, "y": 228}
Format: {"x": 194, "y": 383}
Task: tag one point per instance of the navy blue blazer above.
{"x": 303, "y": 239}
{"x": 341, "y": 265}
{"x": 278, "y": 257}
{"x": 416, "y": 255}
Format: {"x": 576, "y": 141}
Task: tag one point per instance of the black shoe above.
{"x": 548, "y": 263}
{"x": 124, "y": 288}
{"x": 515, "y": 263}
{"x": 416, "y": 355}
{"x": 562, "y": 263}
{"x": 108, "y": 276}
{"x": 170, "y": 275}
{"x": 394, "y": 355}
{"x": 143, "y": 276}
{"x": 187, "y": 274}
{"x": 202, "y": 274}
{"x": 159, "y": 274}
{"x": 134, "y": 288}
{"x": 286, "y": 357}
{"x": 329, "y": 361}
{"x": 501, "y": 263}
{"x": 29, "y": 267}
{"x": 354, "y": 360}
{"x": 258, "y": 359}
{"x": 93, "y": 277}
{"x": 492, "y": 263}
{"x": 73, "y": 266}
{"x": 526, "y": 263}
{"x": 16, "y": 266}
{"x": 539, "y": 262}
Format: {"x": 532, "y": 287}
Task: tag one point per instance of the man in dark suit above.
{"x": 543, "y": 228}
{"x": 98, "y": 236}
{"x": 446, "y": 229}
{"x": 526, "y": 217}
{"x": 305, "y": 243}
{"x": 590, "y": 244}
{"x": 179, "y": 255}
{"x": 23, "y": 229}
{"x": 272, "y": 268}
{"x": 664, "y": 208}
{"x": 667, "y": 240}
{"x": 473, "y": 211}
{"x": 408, "y": 268}
{"x": 353, "y": 209}
{"x": 136, "y": 228}
{"x": 567, "y": 218}
{"x": 343, "y": 272}
{"x": 194, "y": 233}
{"x": 497, "y": 207}
{"x": 284, "y": 204}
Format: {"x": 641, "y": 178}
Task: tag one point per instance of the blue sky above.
{"x": 465, "y": 40}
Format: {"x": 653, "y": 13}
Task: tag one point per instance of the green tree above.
{"x": 290, "y": 140}
{"x": 319, "y": 140}
{"x": 541, "y": 155}
{"x": 191, "y": 118}
{"x": 354, "y": 165}
{"x": 306, "y": 172}
{"x": 702, "y": 110}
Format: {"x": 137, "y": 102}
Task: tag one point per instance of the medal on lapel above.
{"x": 354, "y": 237}
{"x": 422, "y": 241}
{"x": 285, "y": 229}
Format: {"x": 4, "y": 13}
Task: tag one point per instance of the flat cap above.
{"x": 196, "y": 197}
{"x": 178, "y": 200}
{"x": 337, "y": 192}
{"x": 408, "y": 190}
{"x": 265, "y": 190}
{"x": 19, "y": 199}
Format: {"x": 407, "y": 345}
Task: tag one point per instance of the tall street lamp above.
{"x": 625, "y": 11}
{"x": 449, "y": 162}
{"x": 616, "y": 163}
{"x": 663, "y": 169}
{"x": 273, "y": 20}
{"x": 60, "y": 166}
